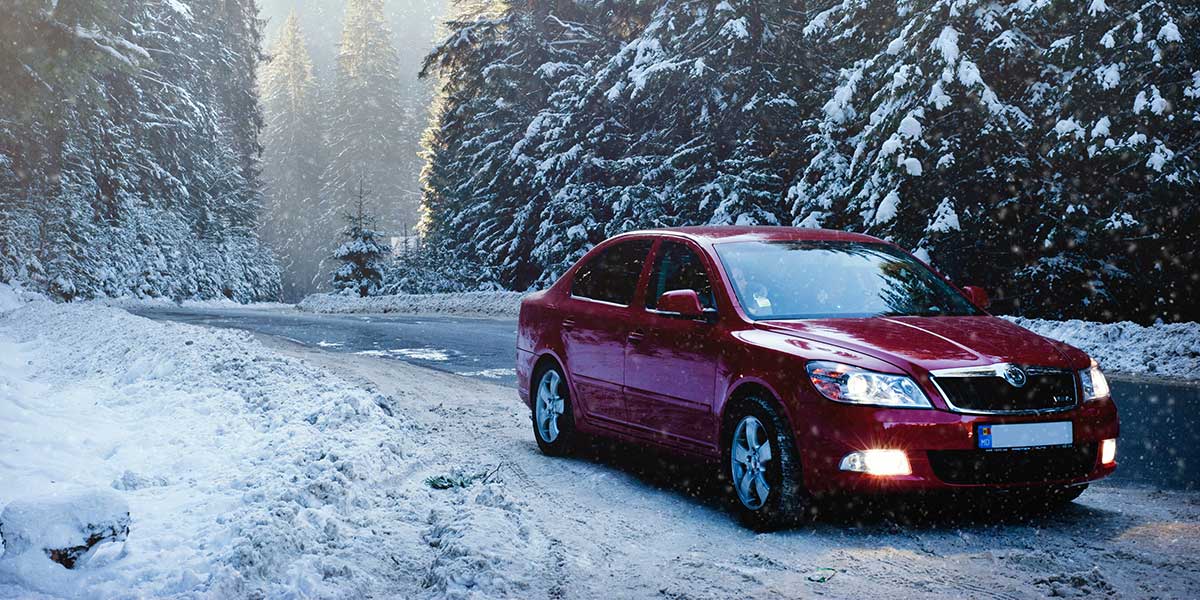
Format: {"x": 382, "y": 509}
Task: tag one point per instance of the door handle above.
{"x": 568, "y": 323}
{"x": 636, "y": 336}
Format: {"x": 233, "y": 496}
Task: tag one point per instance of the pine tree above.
{"x": 366, "y": 120}
{"x": 292, "y": 164}
{"x": 362, "y": 254}
{"x": 126, "y": 150}
{"x": 1040, "y": 149}
{"x": 697, "y": 117}
{"x": 1118, "y": 110}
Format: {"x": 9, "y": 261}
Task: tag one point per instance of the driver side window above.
{"x": 677, "y": 267}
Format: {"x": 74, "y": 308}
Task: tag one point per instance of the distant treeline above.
{"x": 360, "y": 124}
{"x": 129, "y": 148}
{"x": 1045, "y": 150}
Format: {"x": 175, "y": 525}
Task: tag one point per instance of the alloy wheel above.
{"x": 749, "y": 456}
{"x": 549, "y": 406}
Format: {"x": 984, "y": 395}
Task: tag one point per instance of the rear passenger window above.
{"x": 612, "y": 275}
{"x": 678, "y": 268}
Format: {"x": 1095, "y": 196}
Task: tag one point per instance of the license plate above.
{"x": 1025, "y": 435}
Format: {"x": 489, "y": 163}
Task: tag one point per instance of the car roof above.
{"x": 733, "y": 233}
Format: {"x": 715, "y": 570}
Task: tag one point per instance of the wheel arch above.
{"x": 544, "y": 361}
{"x": 751, "y": 386}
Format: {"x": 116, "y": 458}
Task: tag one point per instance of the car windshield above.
{"x": 814, "y": 280}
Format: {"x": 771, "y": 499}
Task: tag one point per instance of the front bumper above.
{"x": 941, "y": 449}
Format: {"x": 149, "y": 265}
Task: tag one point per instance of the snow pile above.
{"x": 76, "y": 530}
{"x": 245, "y": 473}
{"x": 476, "y": 304}
{"x": 1163, "y": 350}
{"x": 13, "y": 296}
{"x": 221, "y": 303}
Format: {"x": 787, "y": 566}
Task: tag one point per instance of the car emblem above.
{"x": 1015, "y": 376}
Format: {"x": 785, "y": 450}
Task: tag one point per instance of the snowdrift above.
{"x": 471, "y": 304}
{"x": 243, "y": 473}
{"x": 1161, "y": 350}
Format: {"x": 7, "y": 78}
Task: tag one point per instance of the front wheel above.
{"x": 763, "y": 467}
{"x": 553, "y": 418}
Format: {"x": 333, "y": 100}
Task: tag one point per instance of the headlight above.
{"x": 844, "y": 383}
{"x": 1094, "y": 383}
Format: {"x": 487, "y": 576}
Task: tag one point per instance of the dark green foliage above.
{"x": 1046, "y": 151}
{"x": 362, "y": 253}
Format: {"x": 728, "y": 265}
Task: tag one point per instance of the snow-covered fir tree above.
{"x": 694, "y": 125}
{"x": 1118, "y": 112}
{"x": 129, "y": 138}
{"x": 496, "y": 70}
{"x": 1037, "y": 148}
{"x": 362, "y": 254}
{"x": 984, "y": 136}
{"x": 365, "y": 119}
{"x": 292, "y": 164}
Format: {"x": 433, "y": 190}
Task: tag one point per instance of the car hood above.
{"x": 930, "y": 343}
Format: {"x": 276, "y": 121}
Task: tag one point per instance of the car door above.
{"x": 670, "y": 363}
{"x": 595, "y": 326}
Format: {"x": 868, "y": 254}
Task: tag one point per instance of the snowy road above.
{"x": 1160, "y": 439}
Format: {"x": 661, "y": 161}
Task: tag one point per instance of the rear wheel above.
{"x": 553, "y": 419}
{"x": 763, "y": 467}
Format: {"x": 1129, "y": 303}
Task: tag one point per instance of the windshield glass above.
{"x": 815, "y": 280}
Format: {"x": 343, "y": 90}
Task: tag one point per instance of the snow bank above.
{"x": 1162, "y": 350}
{"x": 61, "y": 521}
{"x": 245, "y": 473}
{"x": 474, "y": 304}
{"x": 223, "y": 303}
{"x": 74, "y": 530}
{"x": 13, "y": 296}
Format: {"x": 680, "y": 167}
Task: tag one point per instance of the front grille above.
{"x": 967, "y": 467}
{"x": 1043, "y": 390}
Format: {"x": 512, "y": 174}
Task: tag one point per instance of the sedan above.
{"x": 808, "y": 362}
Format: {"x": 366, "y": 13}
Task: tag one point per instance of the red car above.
{"x": 808, "y": 362}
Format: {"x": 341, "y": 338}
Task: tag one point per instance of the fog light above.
{"x": 877, "y": 462}
{"x": 1108, "y": 452}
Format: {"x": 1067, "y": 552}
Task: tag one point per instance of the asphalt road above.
{"x": 1160, "y": 420}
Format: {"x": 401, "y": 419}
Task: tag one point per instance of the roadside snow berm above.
{"x": 70, "y": 528}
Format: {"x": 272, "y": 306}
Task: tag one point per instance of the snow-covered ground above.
{"x": 284, "y": 472}
{"x": 244, "y": 471}
{"x": 1161, "y": 350}
{"x": 475, "y": 304}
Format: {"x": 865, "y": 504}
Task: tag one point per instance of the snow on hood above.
{"x": 936, "y": 342}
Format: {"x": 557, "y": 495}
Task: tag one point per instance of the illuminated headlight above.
{"x": 877, "y": 462}
{"x": 1094, "y": 383}
{"x": 1108, "y": 452}
{"x": 844, "y": 383}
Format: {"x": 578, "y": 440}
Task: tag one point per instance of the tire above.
{"x": 784, "y": 501}
{"x": 555, "y": 432}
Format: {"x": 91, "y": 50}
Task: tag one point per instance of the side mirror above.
{"x": 685, "y": 303}
{"x": 977, "y": 296}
